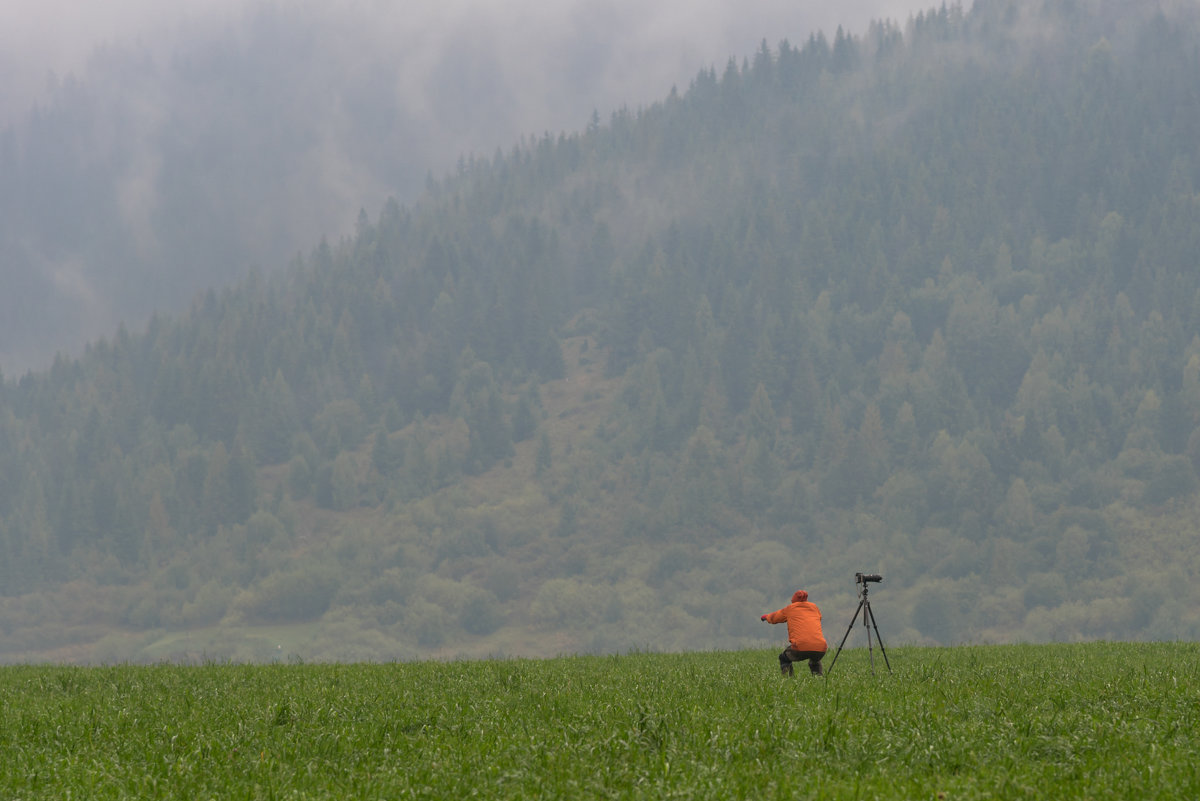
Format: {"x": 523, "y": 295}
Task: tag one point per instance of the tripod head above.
{"x": 863, "y": 579}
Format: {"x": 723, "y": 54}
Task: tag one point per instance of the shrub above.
{"x": 302, "y": 594}
{"x": 208, "y": 606}
{"x": 481, "y": 614}
{"x": 426, "y": 621}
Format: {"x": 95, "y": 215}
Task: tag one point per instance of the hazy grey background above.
{"x": 152, "y": 150}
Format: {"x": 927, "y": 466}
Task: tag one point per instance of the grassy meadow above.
{"x": 1096, "y": 720}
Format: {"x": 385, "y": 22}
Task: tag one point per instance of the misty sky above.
{"x": 650, "y": 46}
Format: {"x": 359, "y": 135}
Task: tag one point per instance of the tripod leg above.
{"x": 853, "y": 620}
{"x": 868, "y": 611}
{"x": 870, "y": 648}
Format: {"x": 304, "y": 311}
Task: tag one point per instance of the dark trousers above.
{"x": 791, "y": 655}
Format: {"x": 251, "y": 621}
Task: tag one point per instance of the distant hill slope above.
{"x": 920, "y": 301}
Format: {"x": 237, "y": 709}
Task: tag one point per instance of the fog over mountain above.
{"x": 920, "y": 301}
{"x": 645, "y": 47}
{"x": 149, "y": 152}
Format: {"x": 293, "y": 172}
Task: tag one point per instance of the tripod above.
{"x": 868, "y": 619}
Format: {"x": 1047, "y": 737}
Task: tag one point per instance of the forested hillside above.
{"x": 922, "y": 300}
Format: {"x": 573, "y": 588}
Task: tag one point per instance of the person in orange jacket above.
{"x": 805, "y": 638}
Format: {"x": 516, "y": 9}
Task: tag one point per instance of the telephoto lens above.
{"x": 863, "y": 578}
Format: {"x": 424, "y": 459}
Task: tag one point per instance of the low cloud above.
{"x": 620, "y": 51}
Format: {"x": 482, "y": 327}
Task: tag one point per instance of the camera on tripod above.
{"x": 863, "y": 578}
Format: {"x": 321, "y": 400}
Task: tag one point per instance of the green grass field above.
{"x": 1098, "y": 720}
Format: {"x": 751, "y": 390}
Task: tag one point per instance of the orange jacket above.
{"x": 803, "y": 620}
